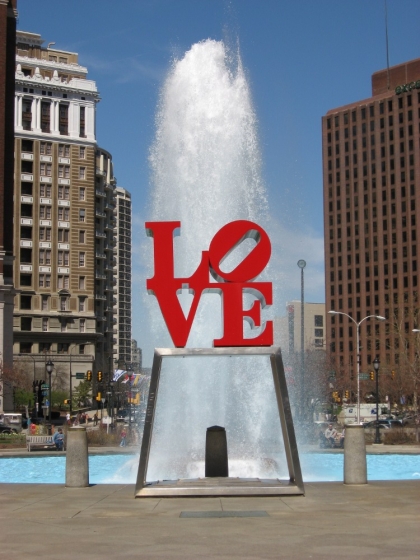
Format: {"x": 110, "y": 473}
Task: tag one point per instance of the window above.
{"x": 63, "y": 282}
{"x": 25, "y": 323}
{"x": 25, "y": 302}
{"x": 45, "y": 169}
{"x": 45, "y": 190}
{"x": 319, "y": 320}
{"x": 82, "y": 236}
{"x": 63, "y": 192}
{"x": 45, "y": 148}
{"x": 44, "y": 324}
{"x": 63, "y": 258}
{"x": 64, "y": 150}
{"x": 82, "y": 213}
{"x": 45, "y": 256}
{"x": 82, "y": 303}
{"x": 81, "y": 259}
{"x": 25, "y": 347}
{"x": 44, "y": 303}
{"x": 44, "y": 280}
{"x": 63, "y": 235}
{"x": 82, "y": 193}
{"x": 82, "y": 173}
{"x": 63, "y": 124}
{"x": 82, "y": 152}
{"x": 82, "y": 130}
{"x": 63, "y": 214}
{"x": 45, "y": 212}
{"x": 63, "y": 306}
{"x": 82, "y": 283}
{"x": 62, "y": 348}
{"x": 82, "y": 326}
{"x": 64, "y": 171}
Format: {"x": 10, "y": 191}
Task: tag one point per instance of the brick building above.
{"x": 371, "y": 169}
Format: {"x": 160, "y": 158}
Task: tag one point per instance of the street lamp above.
{"x": 379, "y": 318}
{"x": 301, "y": 264}
{"x": 49, "y": 366}
{"x": 376, "y": 367}
{"x": 130, "y": 374}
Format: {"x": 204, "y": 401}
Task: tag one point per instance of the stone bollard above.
{"x": 77, "y": 462}
{"x": 216, "y": 452}
{"x": 355, "y": 468}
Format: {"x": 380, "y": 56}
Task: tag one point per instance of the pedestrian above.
{"x": 58, "y": 439}
{"x": 123, "y": 438}
{"x": 68, "y": 420}
{"x": 95, "y": 419}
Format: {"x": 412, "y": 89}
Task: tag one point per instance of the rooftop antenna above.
{"x": 387, "y": 46}
{"x": 50, "y": 44}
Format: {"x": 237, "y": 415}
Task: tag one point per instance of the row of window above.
{"x": 389, "y": 105}
{"x": 45, "y": 212}
{"x": 63, "y": 281}
{"x": 46, "y": 149}
{"x": 46, "y": 347}
{"x": 45, "y": 170}
{"x": 391, "y": 136}
{"x": 63, "y": 113}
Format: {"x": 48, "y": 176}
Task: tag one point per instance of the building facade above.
{"x": 371, "y": 169}
{"x": 64, "y": 216}
{"x": 122, "y": 271}
{"x": 288, "y": 329}
{"x": 8, "y": 15}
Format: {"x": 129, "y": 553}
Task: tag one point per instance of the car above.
{"x": 6, "y": 429}
{"x": 384, "y": 424}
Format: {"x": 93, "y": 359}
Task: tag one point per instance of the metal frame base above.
{"x": 223, "y": 486}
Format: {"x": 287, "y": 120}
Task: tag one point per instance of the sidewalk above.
{"x": 333, "y": 521}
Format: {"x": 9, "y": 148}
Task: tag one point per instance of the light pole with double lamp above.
{"x": 376, "y": 368}
{"x": 379, "y": 318}
{"x": 49, "y": 366}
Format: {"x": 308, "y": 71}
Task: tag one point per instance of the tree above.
{"x": 82, "y": 394}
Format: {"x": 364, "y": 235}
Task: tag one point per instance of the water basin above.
{"x": 122, "y": 469}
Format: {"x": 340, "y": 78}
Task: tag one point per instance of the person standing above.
{"x": 123, "y": 438}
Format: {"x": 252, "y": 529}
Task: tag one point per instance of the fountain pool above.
{"x": 122, "y": 469}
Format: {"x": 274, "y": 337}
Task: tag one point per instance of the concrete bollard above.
{"x": 77, "y": 462}
{"x": 216, "y": 452}
{"x": 355, "y": 467}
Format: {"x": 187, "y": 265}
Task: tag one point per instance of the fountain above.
{"x": 206, "y": 172}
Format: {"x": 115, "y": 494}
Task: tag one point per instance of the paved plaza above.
{"x": 333, "y": 521}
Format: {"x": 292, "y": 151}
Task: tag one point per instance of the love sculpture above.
{"x": 230, "y": 285}
{"x": 210, "y": 278}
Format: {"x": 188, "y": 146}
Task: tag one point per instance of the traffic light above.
{"x": 372, "y": 375}
{"x": 392, "y": 374}
{"x": 99, "y": 376}
{"x": 98, "y": 396}
{"x": 346, "y": 394}
{"x": 66, "y": 401}
{"x": 89, "y": 375}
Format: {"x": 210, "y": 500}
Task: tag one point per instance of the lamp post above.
{"x": 379, "y": 318}
{"x": 376, "y": 367}
{"x": 301, "y": 264}
{"x": 49, "y": 366}
{"x": 130, "y": 374}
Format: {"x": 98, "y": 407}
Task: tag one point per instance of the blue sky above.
{"x": 303, "y": 57}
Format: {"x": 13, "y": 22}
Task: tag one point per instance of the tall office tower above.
{"x": 8, "y": 16}
{"x": 122, "y": 270}
{"x": 136, "y": 356}
{"x": 63, "y": 227}
{"x": 371, "y": 165}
